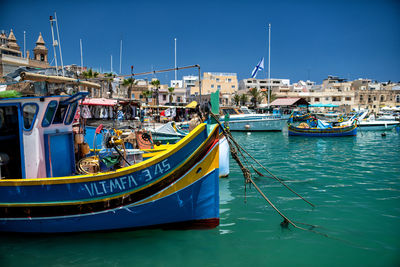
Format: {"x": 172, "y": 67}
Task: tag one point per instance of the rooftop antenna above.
{"x": 54, "y": 43}
{"x": 59, "y": 44}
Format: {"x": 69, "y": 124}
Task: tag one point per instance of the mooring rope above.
{"x": 240, "y": 148}
{"x": 247, "y": 175}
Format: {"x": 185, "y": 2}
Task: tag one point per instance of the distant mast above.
{"x": 120, "y": 58}
{"x": 59, "y": 44}
{"x": 269, "y": 62}
{"x": 175, "y": 62}
{"x": 111, "y": 65}
{"x": 80, "y": 42}
{"x": 54, "y": 44}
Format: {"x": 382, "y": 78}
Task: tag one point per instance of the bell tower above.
{"x": 12, "y": 41}
{"x": 40, "y": 51}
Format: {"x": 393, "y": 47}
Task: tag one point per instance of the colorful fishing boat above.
{"x": 41, "y": 192}
{"x": 317, "y": 128}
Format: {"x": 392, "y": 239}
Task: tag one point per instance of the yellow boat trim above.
{"x": 210, "y": 163}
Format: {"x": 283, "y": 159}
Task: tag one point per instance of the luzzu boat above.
{"x": 317, "y": 128}
{"x": 40, "y": 191}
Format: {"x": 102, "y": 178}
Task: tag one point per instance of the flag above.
{"x": 260, "y": 66}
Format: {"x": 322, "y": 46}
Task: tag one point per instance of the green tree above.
{"x": 147, "y": 94}
{"x": 255, "y": 96}
{"x": 171, "y": 91}
{"x": 243, "y": 99}
{"x": 156, "y": 84}
{"x": 236, "y": 99}
{"x": 129, "y": 83}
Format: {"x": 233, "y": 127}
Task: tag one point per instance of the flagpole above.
{"x": 269, "y": 62}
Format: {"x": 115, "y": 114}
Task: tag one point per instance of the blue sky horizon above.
{"x": 309, "y": 39}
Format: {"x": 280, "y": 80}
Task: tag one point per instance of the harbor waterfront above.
{"x": 353, "y": 181}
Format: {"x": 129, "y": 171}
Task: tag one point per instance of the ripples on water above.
{"x": 353, "y": 181}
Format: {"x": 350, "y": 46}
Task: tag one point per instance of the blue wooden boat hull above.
{"x": 329, "y": 132}
{"x": 179, "y": 186}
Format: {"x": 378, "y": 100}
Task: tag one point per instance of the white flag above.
{"x": 260, "y": 66}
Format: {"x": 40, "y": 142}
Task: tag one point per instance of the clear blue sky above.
{"x": 310, "y": 39}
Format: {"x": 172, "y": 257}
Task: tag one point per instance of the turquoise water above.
{"x": 353, "y": 181}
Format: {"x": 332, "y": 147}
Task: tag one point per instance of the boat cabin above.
{"x": 36, "y": 137}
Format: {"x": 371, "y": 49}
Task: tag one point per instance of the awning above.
{"x": 192, "y": 104}
{"x": 324, "y": 105}
{"x": 100, "y": 102}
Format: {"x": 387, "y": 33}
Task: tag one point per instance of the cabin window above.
{"x": 60, "y": 113}
{"x": 48, "y": 116}
{"x": 29, "y": 112}
{"x": 71, "y": 113}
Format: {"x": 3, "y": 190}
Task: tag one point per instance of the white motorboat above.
{"x": 242, "y": 119}
{"x": 370, "y": 123}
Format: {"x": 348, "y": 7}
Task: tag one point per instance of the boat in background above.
{"x": 242, "y": 119}
{"x": 370, "y": 123}
{"x": 317, "y": 128}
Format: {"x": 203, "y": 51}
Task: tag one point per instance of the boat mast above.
{"x": 54, "y": 44}
{"x": 269, "y": 62}
{"x": 175, "y": 61}
{"x": 59, "y": 44}
{"x": 120, "y": 58}
{"x": 80, "y": 42}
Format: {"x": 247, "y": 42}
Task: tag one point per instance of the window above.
{"x": 316, "y": 99}
{"x": 212, "y": 85}
{"x": 60, "y": 113}
{"x": 249, "y": 81}
{"x": 326, "y": 98}
{"x": 361, "y": 97}
{"x": 29, "y": 112}
{"x": 382, "y": 98}
{"x": 48, "y": 116}
{"x": 179, "y": 99}
{"x": 233, "y": 86}
{"x": 219, "y": 87}
{"x": 164, "y": 97}
{"x": 348, "y": 98}
{"x": 41, "y": 57}
{"x": 229, "y": 80}
{"x": 397, "y": 98}
{"x": 217, "y": 79}
{"x": 71, "y": 113}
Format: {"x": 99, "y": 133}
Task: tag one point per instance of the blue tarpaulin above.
{"x": 324, "y": 105}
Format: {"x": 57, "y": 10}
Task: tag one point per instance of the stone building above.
{"x": 11, "y": 57}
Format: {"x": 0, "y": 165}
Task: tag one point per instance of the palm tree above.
{"x": 156, "y": 84}
{"x": 129, "y": 82}
{"x": 243, "y": 99}
{"x": 255, "y": 96}
{"x": 90, "y": 74}
{"x": 170, "y": 90}
{"x": 146, "y": 94}
{"x": 236, "y": 99}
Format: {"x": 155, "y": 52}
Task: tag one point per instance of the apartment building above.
{"x": 226, "y": 83}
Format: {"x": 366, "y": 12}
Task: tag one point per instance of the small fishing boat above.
{"x": 41, "y": 191}
{"x": 317, "y": 128}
